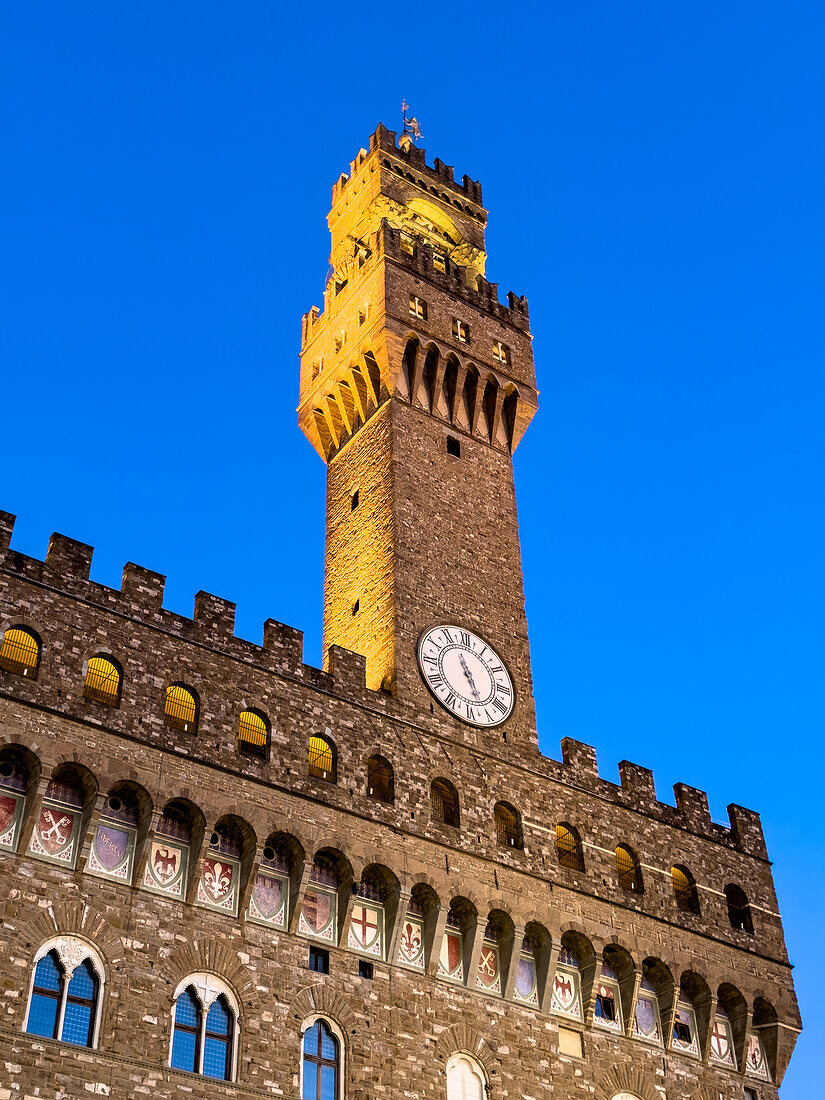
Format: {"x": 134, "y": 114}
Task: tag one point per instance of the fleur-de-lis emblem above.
{"x": 217, "y": 879}
{"x": 410, "y": 940}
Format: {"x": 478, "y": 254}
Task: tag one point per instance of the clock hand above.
{"x": 466, "y": 669}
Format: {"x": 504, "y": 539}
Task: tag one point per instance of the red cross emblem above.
{"x": 363, "y": 927}
{"x": 719, "y": 1039}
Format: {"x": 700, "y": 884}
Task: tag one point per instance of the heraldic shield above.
{"x": 411, "y": 944}
{"x": 10, "y": 811}
{"x": 55, "y": 833}
{"x": 566, "y": 993}
{"x": 318, "y": 914}
{"x": 111, "y": 853}
{"x": 218, "y": 887}
{"x": 268, "y": 901}
{"x": 166, "y": 867}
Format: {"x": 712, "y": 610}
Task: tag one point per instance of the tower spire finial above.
{"x": 410, "y": 128}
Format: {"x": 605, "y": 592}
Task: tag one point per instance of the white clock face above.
{"x": 466, "y": 675}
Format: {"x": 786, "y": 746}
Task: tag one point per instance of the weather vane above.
{"x": 411, "y": 126}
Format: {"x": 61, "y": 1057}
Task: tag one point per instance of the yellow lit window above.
{"x": 684, "y": 891}
{"x": 21, "y": 652}
{"x": 102, "y": 681}
{"x": 180, "y": 710}
{"x": 461, "y": 331}
{"x": 501, "y": 352}
{"x": 253, "y": 734}
{"x": 321, "y": 760}
{"x": 567, "y": 848}
{"x": 626, "y": 869}
{"x": 418, "y": 308}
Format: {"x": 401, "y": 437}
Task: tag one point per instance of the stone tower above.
{"x": 416, "y": 386}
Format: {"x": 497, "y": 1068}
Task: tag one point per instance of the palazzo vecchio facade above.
{"x": 227, "y": 873}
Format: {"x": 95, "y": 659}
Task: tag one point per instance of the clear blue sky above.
{"x": 654, "y": 175}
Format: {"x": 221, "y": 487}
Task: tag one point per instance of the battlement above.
{"x": 140, "y": 598}
{"x": 437, "y": 179}
{"x": 420, "y": 258}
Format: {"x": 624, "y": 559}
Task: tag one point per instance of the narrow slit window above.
{"x": 453, "y": 446}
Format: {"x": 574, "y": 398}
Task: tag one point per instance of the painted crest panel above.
{"x": 526, "y": 987}
{"x": 218, "y": 886}
{"x": 756, "y": 1064}
{"x": 646, "y": 1023}
{"x": 450, "y": 961}
{"x": 318, "y": 914}
{"x": 11, "y": 813}
{"x": 489, "y": 969}
{"x": 566, "y": 996}
{"x": 112, "y": 852}
{"x": 366, "y": 928}
{"x": 166, "y": 867}
{"x": 721, "y": 1043}
{"x": 269, "y": 900}
{"x": 56, "y": 833}
{"x": 411, "y": 943}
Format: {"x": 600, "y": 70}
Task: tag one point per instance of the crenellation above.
{"x": 143, "y": 587}
{"x": 746, "y": 830}
{"x": 285, "y": 643}
{"x": 637, "y": 785}
{"x": 580, "y": 758}
{"x": 68, "y": 558}
{"x": 214, "y": 615}
{"x": 692, "y": 804}
{"x": 6, "y": 530}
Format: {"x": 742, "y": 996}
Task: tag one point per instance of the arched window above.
{"x": 380, "y": 779}
{"x": 253, "y": 734}
{"x": 65, "y": 995}
{"x": 18, "y": 767}
{"x": 204, "y": 1027}
{"x": 219, "y": 885}
{"x": 508, "y": 826}
{"x": 20, "y": 652}
{"x": 102, "y": 683}
{"x": 628, "y": 871}
{"x": 113, "y": 845}
{"x": 168, "y": 863}
{"x": 568, "y": 847}
{"x": 465, "y": 1079}
{"x": 180, "y": 709}
{"x": 321, "y": 1064}
{"x": 270, "y": 898}
{"x": 608, "y": 1008}
{"x": 319, "y": 913}
{"x": 684, "y": 890}
{"x": 321, "y": 759}
{"x": 739, "y": 912}
{"x": 57, "y": 829}
{"x": 444, "y": 798}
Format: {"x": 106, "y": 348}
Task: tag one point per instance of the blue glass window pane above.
{"x": 48, "y": 973}
{"x": 43, "y": 1016}
{"x": 214, "y": 1058}
{"x": 327, "y": 1083}
{"x": 329, "y": 1047}
{"x": 219, "y": 1019}
{"x": 84, "y": 982}
{"x": 184, "y": 1050}
{"x": 77, "y": 1024}
{"x": 310, "y": 1089}
{"x": 311, "y": 1039}
{"x": 187, "y": 1010}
